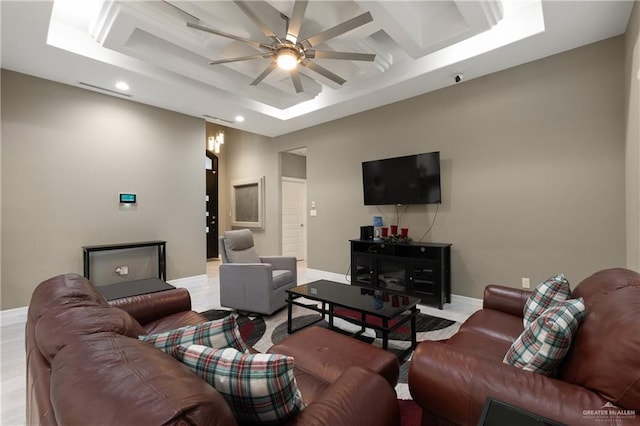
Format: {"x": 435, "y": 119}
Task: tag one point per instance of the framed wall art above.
{"x": 247, "y": 203}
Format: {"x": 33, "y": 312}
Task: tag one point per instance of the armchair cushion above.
{"x": 542, "y": 346}
{"x": 222, "y": 333}
{"x": 239, "y": 246}
{"x": 281, "y": 278}
{"x": 547, "y": 293}
{"x": 259, "y": 388}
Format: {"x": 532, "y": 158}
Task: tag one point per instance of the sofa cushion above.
{"x": 106, "y": 379}
{"x": 259, "y": 388}
{"x": 222, "y": 333}
{"x": 542, "y": 346}
{"x": 604, "y": 354}
{"x": 494, "y": 325}
{"x": 549, "y": 292}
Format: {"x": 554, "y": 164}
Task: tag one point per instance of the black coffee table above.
{"x": 368, "y": 302}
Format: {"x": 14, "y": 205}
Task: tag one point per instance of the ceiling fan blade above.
{"x": 231, "y": 36}
{"x": 323, "y": 71}
{"x": 295, "y": 23}
{"x": 264, "y": 74}
{"x": 297, "y": 82}
{"x": 240, "y": 58}
{"x": 337, "y": 30}
{"x": 256, "y": 20}
{"x": 350, "y": 56}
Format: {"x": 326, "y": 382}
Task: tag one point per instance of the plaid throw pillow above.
{"x": 259, "y": 388}
{"x": 547, "y": 293}
{"x": 222, "y": 333}
{"x": 542, "y": 346}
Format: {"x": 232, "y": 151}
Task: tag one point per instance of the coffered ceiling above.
{"x": 419, "y": 46}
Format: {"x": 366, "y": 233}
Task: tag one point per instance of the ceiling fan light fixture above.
{"x": 287, "y": 59}
{"x": 286, "y": 53}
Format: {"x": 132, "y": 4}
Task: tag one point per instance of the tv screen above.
{"x": 413, "y": 179}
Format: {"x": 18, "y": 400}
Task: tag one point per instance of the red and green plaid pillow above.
{"x": 222, "y": 333}
{"x": 542, "y": 346}
{"x": 548, "y": 293}
{"x": 259, "y": 388}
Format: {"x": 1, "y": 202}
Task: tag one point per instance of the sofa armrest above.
{"x": 453, "y": 383}
{"x": 358, "y": 397}
{"x": 150, "y": 307}
{"x": 505, "y": 299}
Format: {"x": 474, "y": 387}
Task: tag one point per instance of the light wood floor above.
{"x": 204, "y": 295}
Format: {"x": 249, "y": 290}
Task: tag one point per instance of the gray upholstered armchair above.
{"x": 253, "y": 283}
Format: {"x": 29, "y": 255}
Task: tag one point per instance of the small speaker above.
{"x": 366, "y": 232}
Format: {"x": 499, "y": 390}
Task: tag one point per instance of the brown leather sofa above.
{"x": 451, "y": 379}
{"x": 85, "y": 366}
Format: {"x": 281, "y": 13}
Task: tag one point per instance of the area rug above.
{"x": 262, "y": 332}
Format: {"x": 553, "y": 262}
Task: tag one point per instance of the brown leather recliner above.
{"x": 85, "y": 366}
{"x": 451, "y": 379}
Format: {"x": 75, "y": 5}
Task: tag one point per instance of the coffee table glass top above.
{"x": 376, "y": 302}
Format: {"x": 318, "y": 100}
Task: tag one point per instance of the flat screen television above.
{"x": 412, "y": 179}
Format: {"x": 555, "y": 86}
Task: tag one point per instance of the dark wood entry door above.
{"x": 211, "y": 213}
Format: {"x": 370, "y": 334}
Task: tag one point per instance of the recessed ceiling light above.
{"x": 239, "y": 118}
{"x": 121, "y": 85}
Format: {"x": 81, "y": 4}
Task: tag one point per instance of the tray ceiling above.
{"x": 419, "y": 46}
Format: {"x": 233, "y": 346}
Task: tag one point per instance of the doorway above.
{"x": 294, "y": 202}
{"x": 211, "y": 213}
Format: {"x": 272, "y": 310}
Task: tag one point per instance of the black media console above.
{"x": 419, "y": 269}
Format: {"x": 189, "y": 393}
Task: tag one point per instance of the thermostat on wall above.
{"x": 127, "y": 198}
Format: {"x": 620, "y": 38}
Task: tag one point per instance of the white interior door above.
{"x": 294, "y": 226}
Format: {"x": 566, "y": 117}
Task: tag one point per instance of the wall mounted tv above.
{"x": 413, "y": 179}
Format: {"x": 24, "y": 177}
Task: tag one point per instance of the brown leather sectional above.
{"x": 598, "y": 381}
{"x": 85, "y": 366}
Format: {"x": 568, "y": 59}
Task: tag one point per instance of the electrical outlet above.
{"x": 122, "y": 270}
{"x": 526, "y": 283}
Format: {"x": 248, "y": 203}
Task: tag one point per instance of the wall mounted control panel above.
{"x": 127, "y": 198}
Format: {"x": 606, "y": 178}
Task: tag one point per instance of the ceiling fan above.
{"x": 287, "y": 52}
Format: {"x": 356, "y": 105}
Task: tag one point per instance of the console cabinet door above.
{"x": 364, "y": 270}
{"x": 426, "y": 281}
{"x": 392, "y": 274}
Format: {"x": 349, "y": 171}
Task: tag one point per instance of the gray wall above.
{"x": 533, "y": 163}
{"x": 66, "y": 153}
{"x": 533, "y": 174}
{"x": 248, "y": 155}
{"x": 632, "y": 155}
